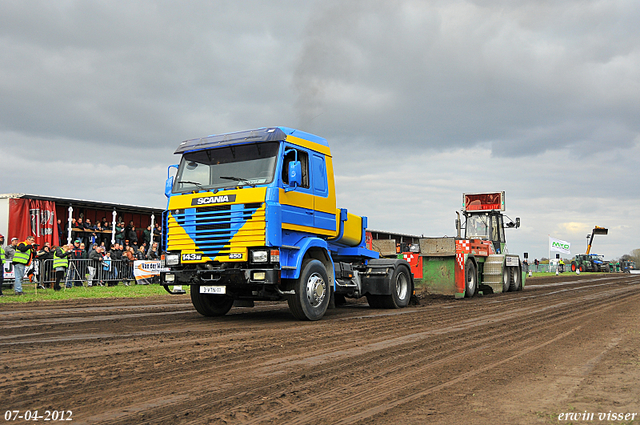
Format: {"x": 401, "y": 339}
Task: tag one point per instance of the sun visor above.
{"x": 265, "y": 134}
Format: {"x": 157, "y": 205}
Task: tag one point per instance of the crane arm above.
{"x": 596, "y": 231}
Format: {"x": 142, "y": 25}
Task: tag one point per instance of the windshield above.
{"x": 231, "y": 166}
{"x": 477, "y": 226}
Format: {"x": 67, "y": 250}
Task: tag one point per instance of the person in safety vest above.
{"x": 61, "y": 263}
{"x": 22, "y": 257}
{"x": 3, "y": 257}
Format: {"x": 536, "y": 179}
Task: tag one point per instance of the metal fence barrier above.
{"x": 81, "y": 272}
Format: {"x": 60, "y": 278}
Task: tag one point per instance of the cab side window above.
{"x": 319, "y": 175}
{"x": 501, "y": 229}
{"x": 494, "y": 229}
{"x": 303, "y": 157}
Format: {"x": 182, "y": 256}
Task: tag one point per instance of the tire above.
{"x": 470, "y": 279}
{"x": 581, "y": 268}
{"x": 573, "y": 267}
{"x": 400, "y": 286}
{"x": 210, "y": 305}
{"x": 312, "y": 292}
{"x": 516, "y": 279}
{"x": 506, "y": 279}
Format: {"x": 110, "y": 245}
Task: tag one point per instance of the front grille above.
{"x": 213, "y": 228}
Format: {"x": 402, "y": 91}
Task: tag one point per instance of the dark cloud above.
{"x": 527, "y": 76}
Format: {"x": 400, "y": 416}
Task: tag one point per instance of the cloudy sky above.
{"x": 419, "y": 100}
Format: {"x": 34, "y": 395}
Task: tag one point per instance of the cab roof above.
{"x": 259, "y": 135}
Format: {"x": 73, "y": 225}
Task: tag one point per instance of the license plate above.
{"x": 213, "y": 289}
{"x": 512, "y": 261}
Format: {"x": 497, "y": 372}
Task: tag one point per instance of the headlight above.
{"x": 172, "y": 259}
{"x": 259, "y": 256}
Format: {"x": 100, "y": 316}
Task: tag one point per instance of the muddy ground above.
{"x": 565, "y": 345}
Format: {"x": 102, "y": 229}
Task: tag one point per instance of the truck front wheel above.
{"x": 312, "y": 295}
{"x": 210, "y": 305}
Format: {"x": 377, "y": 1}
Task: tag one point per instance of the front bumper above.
{"x": 230, "y": 277}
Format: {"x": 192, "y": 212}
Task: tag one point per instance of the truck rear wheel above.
{"x": 210, "y": 305}
{"x": 471, "y": 279}
{"x": 312, "y": 295}
{"x": 400, "y": 287}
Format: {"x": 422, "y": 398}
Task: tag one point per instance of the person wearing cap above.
{"x": 21, "y": 259}
{"x": 2, "y": 259}
{"x": 10, "y": 251}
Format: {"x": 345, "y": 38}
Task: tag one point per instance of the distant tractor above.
{"x": 627, "y": 266}
{"x": 590, "y": 262}
{"x": 599, "y": 264}
{"x": 583, "y": 263}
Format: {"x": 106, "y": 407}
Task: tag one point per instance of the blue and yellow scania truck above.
{"x": 251, "y": 216}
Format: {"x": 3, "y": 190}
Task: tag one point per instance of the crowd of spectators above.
{"x": 102, "y": 231}
{"x": 101, "y": 258}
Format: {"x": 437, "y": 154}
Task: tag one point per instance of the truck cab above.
{"x": 252, "y": 216}
{"x": 484, "y": 219}
{"x": 487, "y": 226}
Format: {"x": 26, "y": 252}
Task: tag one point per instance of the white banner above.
{"x": 145, "y": 272}
{"x": 560, "y": 246}
{"x": 8, "y": 272}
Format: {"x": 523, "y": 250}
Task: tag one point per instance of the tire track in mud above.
{"x": 376, "y": 393}
{"x": 257, "y": 336}
{"x": 84, "y": 319}
{"x": 339, "y": 368}
{"x": 417, "y": 395}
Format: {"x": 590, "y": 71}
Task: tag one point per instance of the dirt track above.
{"x": 563, "y": 345}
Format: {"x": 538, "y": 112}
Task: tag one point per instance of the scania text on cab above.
{"x": 252, "y": 216}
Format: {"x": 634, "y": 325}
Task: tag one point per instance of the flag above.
{"x": 560, "y": 246}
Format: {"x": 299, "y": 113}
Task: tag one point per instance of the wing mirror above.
{"x": 295, "y": 174}
{"x": 168, "y": 184}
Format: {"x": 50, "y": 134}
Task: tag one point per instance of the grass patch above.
{"x": 118, "y": 291}
{"x": 543, "y": 274}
